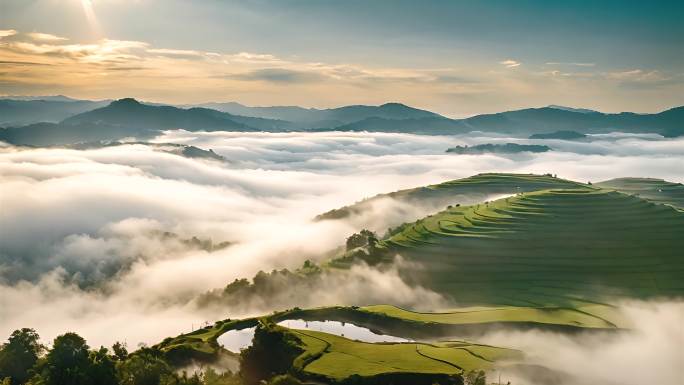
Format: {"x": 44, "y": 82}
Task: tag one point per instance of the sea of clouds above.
{"x": 100, "y": 241}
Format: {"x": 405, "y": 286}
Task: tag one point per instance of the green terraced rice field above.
{"x": 338, "y": 357}
{"x": 656, "y": 190}
{"x": 549, "y": 247}
{"x": 472, "y": 189}
{"x": 588, "y": 316}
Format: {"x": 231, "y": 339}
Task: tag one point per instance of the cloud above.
{"x": 175, "y": 52}
{"x": 114, "y": 241}
{"x": 279, "y": 75}
{"x": 45, "y": 37}
{"x": 649, "y": 352}
{"x": 21, "y": 63}
{"x": 575, "y": 64}
{"x": 7, "y": 33}
{"x": 510, "y": 63}
{"x": 105, "y": 50}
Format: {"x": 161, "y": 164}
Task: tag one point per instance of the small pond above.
{"x": 342, "y": 329}
{"x": 235, "y": 340}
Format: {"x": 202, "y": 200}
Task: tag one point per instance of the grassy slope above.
{"x": 547, "y": 247}
{"x": 337, "y": 357}
{"x": 476, "y": 188}
{"x": 548, "y": 252}
{"x": 656, "y": 190}
{"x": 588, "y": 316}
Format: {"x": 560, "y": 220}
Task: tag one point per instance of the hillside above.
{"x": 474, "y": 189}
{"x": 548, "y": 246}
{"x": 656, "y": 190}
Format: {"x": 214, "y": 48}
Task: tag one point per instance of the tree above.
{"x": 19, "y": 355}
{"x": 271, "y": 354}
{"x": 102, "y": 370}
{"x": 144, "y": 368}
{"x": 211, "y": 377}
{"x": 475, "y": 378}
{"x": 68, "y": 362}
{"x": 120, "y": 351}
{"x": 362, "y": 238}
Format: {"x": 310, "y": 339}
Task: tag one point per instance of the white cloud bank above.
{"x": 651, "y": 352}
{"x": 101, "y": 240}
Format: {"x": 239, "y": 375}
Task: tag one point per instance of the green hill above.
{"x": 656, "y": 190}
{"x": 469, "y": 190}
{"x": 548, "y": 247}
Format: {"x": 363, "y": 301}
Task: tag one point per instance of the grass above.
{"x": 589, "y": 316}
{"x": 549, "y": 247}
{"x": 338, "y": 358}
{"x": 476, "y": 188}
{"x": 656, "y": 190}
{"x": 549, "y": 255}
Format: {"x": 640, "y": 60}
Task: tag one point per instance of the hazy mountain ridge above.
{"x": 329, "y": 117}
{"x": 53, "y": 109}
{"x": 130, "y": 118}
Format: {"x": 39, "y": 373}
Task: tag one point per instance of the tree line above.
{"x": 70, "y": 361}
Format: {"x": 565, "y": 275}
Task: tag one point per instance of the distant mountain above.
{"x": 507, "y": 148}
{"x": 427, "y": 126}
{"x": 531, "y": 121}
{"x": 563, "y": 135}
{"x": 49, "y": 98}
{"x": 129, "y": 112}
{"x": 320, "y": 118}
{"x": 53, "y": 109}
{"x": 580, "y": 110}
{"x": 185, "y": 150}
{"x": 130, "y": 118}
{"x": 542, "y": 120}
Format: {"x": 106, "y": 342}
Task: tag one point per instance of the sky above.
{"x": 458, "y": 58}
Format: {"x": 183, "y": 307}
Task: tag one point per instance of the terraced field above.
{"x": 464, "y": 191}
{"x": 550, "y": 259}
{"x": 587, "y": 316}
{"x": 656, "y": 190}
{"x": 549, "y": 247}
{"x": 338, "y": 358}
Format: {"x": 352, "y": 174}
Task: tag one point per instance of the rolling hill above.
{"x": 549, "y": 247}
{"x": 656, "y": 190}
{"x": 553, "y": 255}
{"x": 474, "y": 189}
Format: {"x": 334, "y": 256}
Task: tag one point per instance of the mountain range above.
{"x": 61, "y": 120}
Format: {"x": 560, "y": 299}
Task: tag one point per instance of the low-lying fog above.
{"x": 101, "y": 241}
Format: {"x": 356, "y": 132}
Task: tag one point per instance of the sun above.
{"x": 90, "y": 15}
